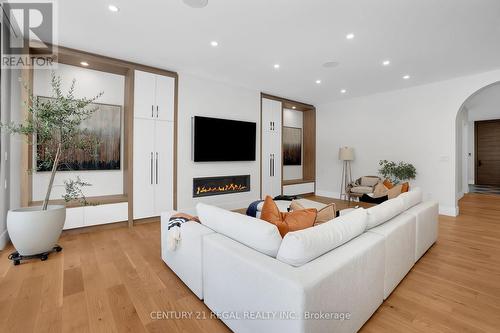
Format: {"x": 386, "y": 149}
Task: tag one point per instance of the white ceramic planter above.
{"x": 33, "y": 230}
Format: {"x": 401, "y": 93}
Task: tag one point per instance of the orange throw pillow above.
{"x": 325, "y": 214}
{"x": 293, "y": 221}
{"x": 388, "y": 184}
{"x": 405, "y": 188}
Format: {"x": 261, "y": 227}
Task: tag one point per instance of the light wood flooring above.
{"x": 111, "y": 280}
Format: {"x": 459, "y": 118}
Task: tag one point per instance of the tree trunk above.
{"x": 52, "y": 176}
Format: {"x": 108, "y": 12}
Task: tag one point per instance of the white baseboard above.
{"x": 321, "y": 193}
{"x": 4, "y": 239}
{"x": 448, "y": 210}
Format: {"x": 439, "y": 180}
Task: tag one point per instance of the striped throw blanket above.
{"x": 174, "y": 229}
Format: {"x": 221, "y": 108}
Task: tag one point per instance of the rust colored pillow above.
{"x": 325, "y": 214}
{"x": 292, "y": 221}
{"x": 388, "y": 184}
{"x": 405, "y": 188}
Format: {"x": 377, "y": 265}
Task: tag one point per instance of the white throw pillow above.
{"x": 300, "y": 247}
{"x": 384, "y": 212}
{"x": 369, "y": 181}
{"x": 412, "y": 198}
{"x": 260, "y": 235}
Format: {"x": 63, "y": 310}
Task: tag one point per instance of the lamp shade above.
{"x": 346, "y": 154}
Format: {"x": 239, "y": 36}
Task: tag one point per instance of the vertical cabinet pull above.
{"x": 270, "y": 165}
{"x": 152, "y": 111}
{"x": 157, "y": 111}
{"x": 151, "y": 164}
{"x": 157, "y": 168}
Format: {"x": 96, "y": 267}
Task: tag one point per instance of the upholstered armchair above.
{"x": 362, "y": 185}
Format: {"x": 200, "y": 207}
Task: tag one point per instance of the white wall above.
{"x": 293, "y": 118}
{"x": 416, "y": 125}
{"x": 201, "y": 97}
{"x": 88, "y": 84}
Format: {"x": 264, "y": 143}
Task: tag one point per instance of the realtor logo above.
{"x": 27, "y": 34}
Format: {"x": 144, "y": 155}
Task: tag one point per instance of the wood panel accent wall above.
{"x": 309, "y": 138}
{"x": 102, "y": 63}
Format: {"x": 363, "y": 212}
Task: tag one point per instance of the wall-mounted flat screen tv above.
{"x": 216, "y": 140}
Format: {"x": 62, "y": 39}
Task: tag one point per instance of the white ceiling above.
{"x": 429, "y": 39}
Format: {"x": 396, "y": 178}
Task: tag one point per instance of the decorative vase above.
{"x": 33, "y": 230}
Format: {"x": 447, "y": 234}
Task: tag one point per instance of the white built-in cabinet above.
{"x": 271, "y": 147}
{"x": 153, "y": 158}
{"x": 86, "y": 216}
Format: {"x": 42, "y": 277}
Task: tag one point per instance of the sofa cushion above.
{"x": 412, "y": 198}
{"x": 384, "y": 212}
{"x": 300, "y": 247}
{"x": 369, "y": 181}
{"x": 362, "y": 189}
{"x": 254, "y": 233}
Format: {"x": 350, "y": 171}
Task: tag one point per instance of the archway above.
{"x": 479, "y": 106}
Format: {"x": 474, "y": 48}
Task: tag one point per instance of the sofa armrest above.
{"x": 186, "y": 260}
{"x": 347, "y": 281}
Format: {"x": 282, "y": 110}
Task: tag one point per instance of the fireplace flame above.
{"x": 220, "y": 189}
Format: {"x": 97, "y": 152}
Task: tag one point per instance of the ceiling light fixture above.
{"x": 113, "y": 8}
{"x": 350, "y": 36}
{"x": 196, "y": 3}
{"x": 343, "y": 91}
{"x": 330, "y": 64}
{"x": 214, "y": 43}
{"x": 318, "y": 81}
{"x": 276, "y": 66}
{"x": 84, "y": 63}
{"x": 406, "y": 77}
{"x": 386, "y": 62}
{"x": 294, "y": 107}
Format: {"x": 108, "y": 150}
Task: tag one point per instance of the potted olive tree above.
{"x": 397, "y": 172}
{"x": 53, "y": 124}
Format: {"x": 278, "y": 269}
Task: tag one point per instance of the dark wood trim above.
{"x": 128, "y": 184}
{"x": 281, "y": 150}
{"x": 309, "y": 141}
{"x": 176, "y": 138}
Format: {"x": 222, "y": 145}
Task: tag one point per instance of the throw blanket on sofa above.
{"x": 174, "y": 229}
{"x": 253, "y": 208}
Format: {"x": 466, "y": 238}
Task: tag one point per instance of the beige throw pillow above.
{"x": 380, "y": 190}
{"x": 395, "y": 191}
{"x": 325, "y": 214}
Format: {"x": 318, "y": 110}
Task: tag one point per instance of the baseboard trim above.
{"x": 4, "y": 239}
{"x": 449, "y": 210}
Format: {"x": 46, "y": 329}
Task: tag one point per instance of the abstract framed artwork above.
{"x": 292, "y": 146}
{"x": 105, "y": 125}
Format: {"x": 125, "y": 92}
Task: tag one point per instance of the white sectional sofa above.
{"x": 329, "y": 278}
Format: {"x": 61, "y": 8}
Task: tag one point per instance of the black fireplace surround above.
{"x": 208, "y": 186}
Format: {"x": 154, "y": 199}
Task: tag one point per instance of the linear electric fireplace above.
{"x": 206, "y": 186}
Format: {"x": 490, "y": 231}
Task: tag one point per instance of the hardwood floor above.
{"x": 112, "y": 280}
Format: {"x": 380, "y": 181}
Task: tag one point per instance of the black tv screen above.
{"x": 218, "y": 140}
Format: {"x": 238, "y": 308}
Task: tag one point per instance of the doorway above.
{"x": 487, "y": 152}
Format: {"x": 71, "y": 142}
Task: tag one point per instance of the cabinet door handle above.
{"x": 270, "y": 165}
{"x": 151, "y": 163}
{"x": 157, "y": 111}
{"x": 152, "y": 108}
{"x": 157, "y": 168}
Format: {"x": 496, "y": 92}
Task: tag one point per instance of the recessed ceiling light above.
{"x": 294, "y": 107}
{"x": 386, "y": 62}
{"x": 276, "y": 66}
{"x": 84, "y": 63}
{"x": 406, "y": 77}
{"x": 330, "y": 64}
{"x": 343, "y": 91}
{"x": 214, "y": 43}
{"x": 349, "y": 36}
{"x": 196, "y": 3}
{"x": 318, "y": 81}
{"x": 113, "y": 8}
